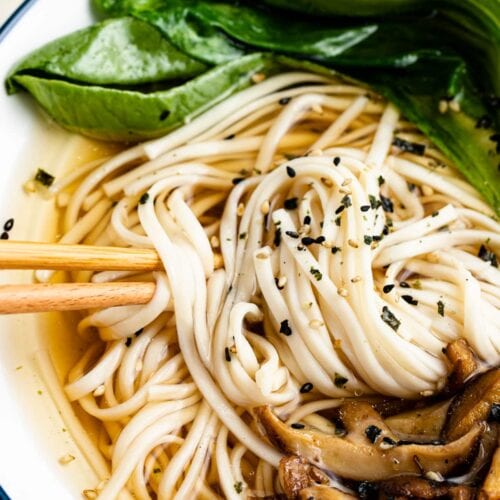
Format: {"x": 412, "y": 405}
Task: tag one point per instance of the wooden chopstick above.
{"x": 56, "y": 256}
{"x": 41, "y": 297}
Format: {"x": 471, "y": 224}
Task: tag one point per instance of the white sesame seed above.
{"x": 258, "y": 77}
{"x": 347, "y": 181}
{"x": 317, "y": 109}
{"x": 385, "y": 446}
{"x": 342, "y": 292}
{"x": 454, "y": 106}
{"x": 89, "y": 493}
{"x": 214, "y": 241}
{"x": 427, "y": 190}
{"x": 240, "y": 210}
{"x": 434, "y": 476}
{"x": 316, "y": 323}
{"x": 264, "y": 208}
{"x": 443, "y": 106}
{"x": 327, "y": 181}
{"x": 218, "y": 261}
{"x": 356, "y": 279}
{"x": 352, "y": 243}
{"x": 29, "y": 186}
{"x": 344, "y": 190}
{"x": 282, "y": 281}
{"x": 66, "y": 459}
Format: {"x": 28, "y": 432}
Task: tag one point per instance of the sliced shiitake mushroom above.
{"x": 463, "y": 364}
{"x": 418, "y": 487}
{"x": 350, "y": 458}
{"x": 301, "y": 480}
{"x": 296, "y": 474}
{"x": 491, "y": 486}
{"x": 423, "y": 425}
{"x": 473, "y": 405}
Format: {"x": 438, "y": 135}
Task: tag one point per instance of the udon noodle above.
{"x": 308, "y": 257}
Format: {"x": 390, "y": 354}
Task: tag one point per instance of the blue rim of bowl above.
{"x": 10, "y": 23}
{"x": 4, "y": 30}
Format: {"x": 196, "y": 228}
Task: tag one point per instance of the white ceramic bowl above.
{"x": 32, "y": 434}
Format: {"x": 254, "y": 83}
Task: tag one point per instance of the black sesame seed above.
{"x": 335, "y": 250}
{"x": 440, "y": 305}
{"x": 285, "y": 328}
{"x": 277, "y": 237}
{"x": 367, "y": 239}
{"x": 388, "y": 288}
{"x": 144, "y": 198}
{"x": 365, "y": 208}
{"x": 276, "y": 281}
{"x": 340, "y": 209}
{"x": 237, "y": 180}
{"x": 338, "y": 221}
{"x": 4, "y": 236}
{"x": 385, "y": 231}
{"x": 336, "y": 161}
{"x": 290, "y": 204}
{"x": 138, "y": 332}
{"x": 387, "y": 204}
{"x": 128, "y": 341}
{"x": 409, "y": 147}
{"x": 296, "y": 425}
{"x": 488, "y": 256}
{"x": 381, "y": 180}
{"x": 284, "y": 100}
{"x": 376, "y": 237}
{"x": 372, "y": 432}
{"x": 307, "y": 219}
{"x": 227, "y": 354}
{"x": 9, "y": 224}
{"x": 229, "y": 137}
{"x": 340, "y": 381}
{"x": 164, "y": 115}
{"x": 307, "y": 387}
{"x": 307, "y": 241}
{"x": 410, "y": 300}
{"x": 319, "y": 240}
{"x": 290, "y": 172}
{"x": 292, "y": 234}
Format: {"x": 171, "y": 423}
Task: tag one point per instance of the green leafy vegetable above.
{"x": 122, "y": 51}
{"x": 435, "y": 50}
{"x": 125, "y": 115}
{"x": 414, "y": 64}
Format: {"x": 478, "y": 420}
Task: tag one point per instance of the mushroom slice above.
{"x": 417, "y": 487}
{"x": 363, "y": 423}
{"x": 473, "y": 405}
{"x": 297, "y": 474}
{"x": 491, "y": 486}
{"x": 422, "y": 425}
{"x": 370, "y": 462}
{"x": 463, "y": 362}
{"x": 322, "y": 492}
